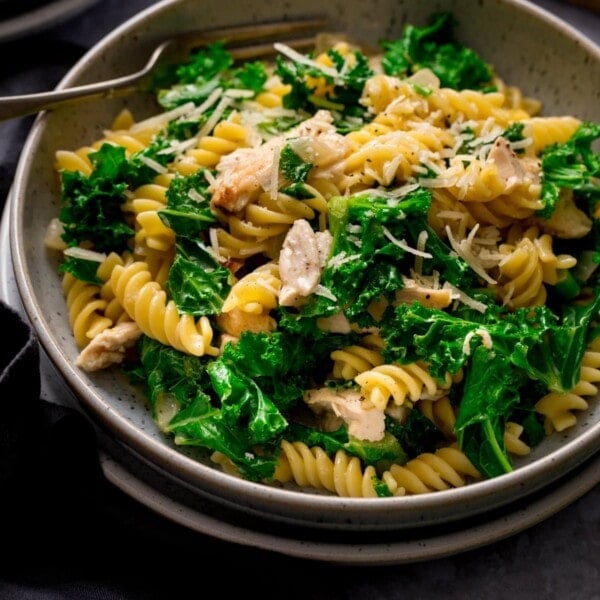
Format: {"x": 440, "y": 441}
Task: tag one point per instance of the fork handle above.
{"x": 26, "y": 104}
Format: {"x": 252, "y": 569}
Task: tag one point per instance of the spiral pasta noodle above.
{"x": 397, "y": 382}
{"x": 443, "y": 469}
{"x": 559, "y": 408}
{"x": 342, "y": 475}
{"x": 257, "y": 292}
{"x": 227, "y": 136}
{"x": 86, "y": 309}
{"x": 146, "y": 303}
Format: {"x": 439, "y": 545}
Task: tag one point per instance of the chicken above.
{"x": 109, "y": 347}
{"x": 567, "y": 221}
{"x": 244, "y": 173}
{"x": 513, "y": 170}
{"x": 429, "y": 297}
{"x": 365, "y": 422}
{"x": 301, "y": 261}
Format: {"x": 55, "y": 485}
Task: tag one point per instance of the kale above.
{"x": 205, "y": 64}
{"x": 182, "y": 385}
{"x": 435, "y": 47}
{"x": 188, "y": 211}
{"x": 91, "y": 206}
{"x": 371, "y": 235}
{"x": 139, "y": 172}
{"x": 197, "y": 282}
{"x": 207, "y": 69}
{"x": 491, "y": 390}
{"x": 417, "y": 434}
{"x": 344, "y": 89}
{"x": 81, "y": 268}
{"x": 548, "y": 348}
{"x": 292, "y": 166}
{"x": 172, "y": 376}
{"x": 381, "y": 453}
{"x": 573, "y": 165}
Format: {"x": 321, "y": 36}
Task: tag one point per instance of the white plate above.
{"x": 43, "y": 17}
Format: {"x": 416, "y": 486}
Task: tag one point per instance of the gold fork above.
{"x": 244, "y": 42}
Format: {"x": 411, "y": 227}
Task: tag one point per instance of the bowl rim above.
{"x": 212, "y": 482}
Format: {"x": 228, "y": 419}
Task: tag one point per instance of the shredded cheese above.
{"x": 84, "y": 254}
{"x": 305, "y": 60}
{"x": 402, "y": 244}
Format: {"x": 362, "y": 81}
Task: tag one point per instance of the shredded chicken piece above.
{"x": 244, "y": 173}
{"x": 429, "y": 297}
{"x": 109, "y": 347}
{"x": 512, "y": 169}
{"x": 365, "y": 422}
{"x": 567, "y": 221}
{"x": 301, "y": 260}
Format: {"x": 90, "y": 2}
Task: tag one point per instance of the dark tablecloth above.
{"x": 68, "y": 533}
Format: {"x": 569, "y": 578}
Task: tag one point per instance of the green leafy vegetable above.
{"x": 82, "y": 269}
{"x": 573, "y": 165}
{"x": 345, "y": 84}
{"x": 91, "y": 206}
{"x": 188, "y": 210}
{"x": 490, "y": 391}
{"x": 435, "y": 47}
{"x": 197, "y": 282}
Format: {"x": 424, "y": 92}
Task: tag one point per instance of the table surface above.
{"x": 129, "y": 552}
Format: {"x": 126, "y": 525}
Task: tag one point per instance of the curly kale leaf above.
{"x": 345, "y": 86}
{"x": 197, "y": 282}
{"x": 91, "y": 206}
{"x": 208, "y": 68}
{"x": 574, "y": 165}
{"x": 82, "y": 269}
{"x": 186, "y": 405}
{"x": 188, "y": 211}
{"x": 491, "y": 390}
{"x": 372, "y": 238}
{"x": 435, "y": 47}
{"x": 546, "y": 347}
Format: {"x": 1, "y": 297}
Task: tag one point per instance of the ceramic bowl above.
{"x": 531, "y": 49}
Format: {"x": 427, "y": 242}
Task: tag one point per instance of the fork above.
{"x": 244, "y": 42}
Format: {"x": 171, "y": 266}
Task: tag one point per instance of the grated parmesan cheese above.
{"x": 305, "y": 60}
{"x": 464, "y": 249}
{"x": 464, "y": 298}
{"x": 321, "y": 290}
{"x": 154, "y": 165}
{"x": 161, "y": 120}
{"x": 84, "y": 254}
{"x": 224, "y": 103}
{"x": 402, "y": 244}
{"x": 339, "y": 259}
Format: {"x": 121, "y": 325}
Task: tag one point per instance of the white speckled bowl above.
{"x": 530, "y": 48}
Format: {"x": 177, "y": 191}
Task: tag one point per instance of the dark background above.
{"x": 67, "y": 533}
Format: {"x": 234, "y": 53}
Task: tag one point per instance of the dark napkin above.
{"x": 65, "y": 530}
{"x": 49, "y": 466}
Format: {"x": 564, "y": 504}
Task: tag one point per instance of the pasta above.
{"x": 351, "y": 274}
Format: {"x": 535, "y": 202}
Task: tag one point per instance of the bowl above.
{"x": 540, "y": 55}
